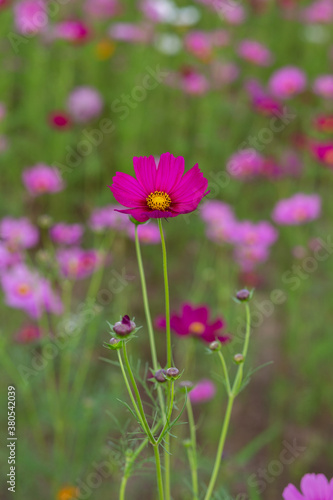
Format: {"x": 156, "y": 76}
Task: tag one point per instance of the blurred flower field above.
{"x": 93, "y": 94}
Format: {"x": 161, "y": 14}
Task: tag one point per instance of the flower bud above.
{"x": 124, "y": 327}
{"x": 186, "y": 385}
{"x": 172, "y": 372}
{"x": 160, "y": 376}
{"x": 113, "y": 344}
{"x": 243, "y": 295}
{"x": 45, "y": 221}
{"x": 215, "y": 346}
{"x": 239, "y": 359}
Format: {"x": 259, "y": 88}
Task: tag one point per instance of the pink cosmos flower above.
{"x": 76, "y": 263}
{"x": 84, "y": 104}
{"x": 159, "y": 11}
{"x": 199, "y": 43}
{"x": 248, "y": 257}
{"x": 30, "y": 16}
{"x": 262, "y": 101}
{"x": 297, "y": 209}
{"x": 159, "y": 191}
{"x": 202, "y": 392}
{"x": 8, "y": 257}
{"x": 215, "y": 212}
{"x": 18, "y": 233}
{"x": 66, "y": 234}
{"x": 319, "y": 12}
{"x": 323, "y": 151}
{"x": 194, "y": 83}
{"x": 102, "y": 9}
{"x": 147, "y": 233}
{"x": 323, "y": 86}
{"x": 313, "y": 487}
{"x": 194, "y": 321}
{"x": 324, "y": 123}
{"x": 27, "y": 290}
{"x": 245, "y": 164}
{"x": 223, "y": 73}
{"x": 42, "y": 179}
{"x": 287, "y": 82}
{"x": 108, "y": 217}
{"x": 255, "y": 52}
{"x": 71, "y": 30}
{"x": 127, "y": 32}
{"x": 254, "y": 234}
{"x": 27, "y": 334}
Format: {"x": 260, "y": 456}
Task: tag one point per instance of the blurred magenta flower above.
{"x": 84, "y": 104}
{"x": 287, "y": 82}
{"x": 8, "y": 257}
{"x": 249, "y": 256}
{"x": 215, "y": 211}
{"x": 253, "y": 234}
{"x": 202, "y": 392}
{"x": 27, "y": 334}
{"x": 42, "y": 179}
{"x": 323, "y": 86}
{"x": 223, "y": 73}
{"x": 313, "y": 487}
{"x": 147, "y": 233}
{"x": 245, "y": 164}
{"x": 297, "y": 209}
{"x": 159, "y": 11}
{"x": 255, "y": 52}
{"x": 193, "y": 82}
{"x": 159, "y": 191}
{"x": 102, "y": 9}
{"x": 128, "y": 32}
{"x": 18, "y": 233}
{"x": 108, "y": 217}
{"x": 66, "y": 234}
{"x": 229, "y": 10}
{"x": 59, "y": 120}
{"x": 30, "y": 16}
{"x": 71, "y": 30}
{"x": 323, "y": 151}
{"x": 27, "y": 290}
{"x": 194, "y": 321}
{"x": 262, "y": 101}
{"x": 324, "y": 123}
{"x": 199, "y": 43}
{"x": 76, "y": 263}
{"x": 318, "y": 12}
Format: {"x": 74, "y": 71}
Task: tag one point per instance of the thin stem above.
{"x": 239, "y": 375}
{"x": 220, "y": 447}
{"x": 192, "y": 453}
{"x": 167, "y": 298}
{"x": 225, "y": 371}
{"x": 137, "y": 395}
{"x": 145, "y": 301}
{"x": 170, "y": 407}
{"x": 169, "y": 356}
{"x": 159, "y": 473}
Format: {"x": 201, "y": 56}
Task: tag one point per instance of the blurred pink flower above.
{"x": 71, "y": 30}
{"x": 76, "y": 263}
{"x": 42, "y": 179}
{"x": 255, "y": 52}
{"x": 228, "y": 10}
{"x": 66, "y": 234}
{"x": 3, "y": 111}
{"x": 102, "y": 9}
{"x": 287, "y": 82}
{"x": 245, "y": 164}
{"x": 249, "y": 256}
{"x": 194, "y": 83}
{"x": 194, "y": 321}
{"x": 84, "y": 104}
{"x": 18, "y": 233}
{"x": 30, "y": 16}
{"x": 253, "y": 234}
{"x": 313, "y": 487}
{"x": 127, "y": 32}
{"x": 323, "y": 86}
{"x": 323, "y": 151}
{"x": 223, "y": 73}
{"x": 108, "y": 218}
{"x": 297, "y": 209}
{"x": 202, "y": 392}
{"x": 215, "y": 212}
{"x": 59, "y": 120}
{"x": 27, "y": 334}
{"x": 318, "y": 12}
{"x": 8, "y": 257}
{"x": 25, "y": 289}
{"x": 159, "y": 11}
{"x": 199, "y": 43}
{"x": 147, "y": 233}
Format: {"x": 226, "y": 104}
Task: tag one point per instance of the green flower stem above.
{"x": 225, "y": 371}
{"x": 167, "y": 298}
{"x": 169, "y": 357}
{"x": 138, "y": 397}
{"x": 159, "y": 473}
{"x": 130, "y": 461}
{"x": 145, "y": 301}
{"x": 231, "y": 397}
{"x": 192, "y": 450}
{"x": 170, "y": 407}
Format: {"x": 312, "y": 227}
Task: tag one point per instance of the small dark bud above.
{"x": 243, "y": 295}
{"x": 124, "y": 327}
{"x": 186, "y": 385}
{"x": 160, "y": 376}
{"x": 113, "y": 344}
{"x": 114, "y": 341}
{"x": 215, "y": 346}
{"x": 172, "y": 372}
{"x": 239, "y": 359}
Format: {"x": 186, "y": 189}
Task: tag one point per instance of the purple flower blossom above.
{"x": 313, "y": 487}
{"x": 323, "y": 86}
{"x": 42, "y": 179}
{"x": 18, "y": 233}
{"x": 287, "y": 82}
{"x": 245, "y": 164}
{"x": 66, "y": 234}
{"x": 76, "y": 263}
{"x": 297, "y": 209}
{"x": 202, "y": 392}
{"x": 147, "y": 233}
{"x": 108, "y": 218}
{"x": 84, "y": 104}
{"x": 255, "y": 52}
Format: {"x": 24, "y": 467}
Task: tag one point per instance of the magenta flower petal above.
{"x": 145, "y": 171}
{"x": 127, "y": 190}
{"x": 292, "y": 493}
{"x": 169, "y": 173}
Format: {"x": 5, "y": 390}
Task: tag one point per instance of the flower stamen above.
{"x": 159, "y": 200}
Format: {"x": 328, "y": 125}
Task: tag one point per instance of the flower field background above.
{"x": 246, "y": 91}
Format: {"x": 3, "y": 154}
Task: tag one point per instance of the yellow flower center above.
{"x": 158, "y": 200}
{"x": 23, "y": 289}
{"x": 197, "y": 328}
